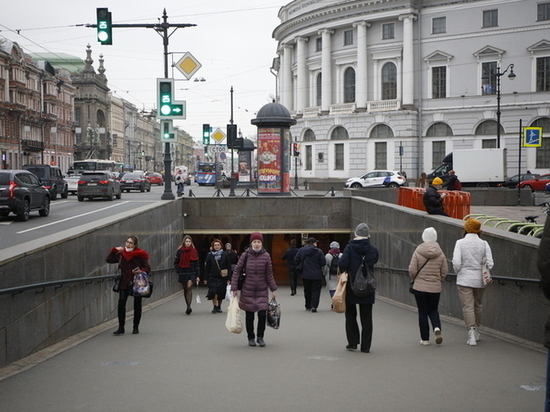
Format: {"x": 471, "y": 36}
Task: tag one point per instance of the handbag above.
{"x": 223, "y": 272}
{"x": 274, "y": 314}
{"x": 339, "y": 297}
{"x": 411, "y": 284}
{"x": 486, "y": 275}
{"x": 234, "y": 321}
{"x": 363, "y": 286}
{"x": 142, "y": 286}
{"x": 117, "y": 278}
{"x": 242, "y": 275}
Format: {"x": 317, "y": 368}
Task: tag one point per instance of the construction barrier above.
{"x": 456, "y": 203}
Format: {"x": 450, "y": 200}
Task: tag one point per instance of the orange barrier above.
{"x": 456, "y": 203}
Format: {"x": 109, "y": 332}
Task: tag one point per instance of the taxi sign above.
{"x": 188, "y": 65}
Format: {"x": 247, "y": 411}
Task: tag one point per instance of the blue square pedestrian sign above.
{"x": 532, "y": 136}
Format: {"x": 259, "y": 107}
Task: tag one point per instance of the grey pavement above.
{"x": 192, "y": 363}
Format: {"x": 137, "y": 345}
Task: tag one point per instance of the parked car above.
{"x": 155, "y": 178}
{"x": 135, "y": 181}
{"x": 72, "y": 183}
{"x": 537, "y": 183}
{"x": 52, "y": 178}
{"x": 377, "y": 178}
{"x": 516, "y": 179}
{"x": 98, "y": 184}
{"x": 22, "y": 192}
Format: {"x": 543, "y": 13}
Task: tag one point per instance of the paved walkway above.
{"x": 192, "y": 363}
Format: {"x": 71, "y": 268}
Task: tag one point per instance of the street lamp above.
{"x": 498, "y": 74}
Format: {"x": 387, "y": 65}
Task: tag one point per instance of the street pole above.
{"x": 295, "y": 168}
{"x": 498, "y": 75}
{"x": 232, "y": 180}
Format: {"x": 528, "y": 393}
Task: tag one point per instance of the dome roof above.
{"x": 273, "y": 114}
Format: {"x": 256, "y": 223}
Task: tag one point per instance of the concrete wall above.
{"x": 36, "y": 319}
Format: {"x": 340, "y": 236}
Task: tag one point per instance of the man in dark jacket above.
{"x": 312, "y": 261}
{"x": 433, "y": 201}
{"x": 289, "y": 256}
{"x": 543, "y": 263}
{"x": 451, "y": 182}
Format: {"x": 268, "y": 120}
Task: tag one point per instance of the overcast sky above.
{"x": 232, "y": 40}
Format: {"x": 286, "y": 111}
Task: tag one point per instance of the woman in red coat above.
{"x": 131, "y": 260}
{"x": 254, "y": 297}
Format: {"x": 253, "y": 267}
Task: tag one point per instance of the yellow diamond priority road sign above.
{"x": 218, "y": 135}
{"x": 188, "y": 65}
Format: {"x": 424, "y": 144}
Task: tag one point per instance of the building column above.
{"x": 326, "y": 70}
{"x": 408, "y": 61}
{"x": 286, "y": 77}
{"x": 301, "y": 73}
{"x": 361, "y": 75}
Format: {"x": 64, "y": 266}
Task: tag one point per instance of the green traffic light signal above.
{"x": 104, "y": 26}
{"x": 165, "y": 97}
{"x": 205, "y": 134}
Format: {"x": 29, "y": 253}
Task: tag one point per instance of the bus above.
{"x": 91, "y": 165}
{"x": 205, "y": 174}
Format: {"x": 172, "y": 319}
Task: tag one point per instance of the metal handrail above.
{"x": 59, "y": 283}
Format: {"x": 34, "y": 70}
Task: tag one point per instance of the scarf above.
{"x": 188, "y": 254}
{"x": 128, "y": 255}
{"x": 217, "y": 254}
{"x": 335, "y": 252}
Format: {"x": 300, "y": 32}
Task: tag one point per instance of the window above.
{"x": 489, "y": 144}
{"x": 543, "y": 11}
{"x": 389, "y": 82}
{"x": 490, "y": 18}
{"x": 309, "y": 135}
{"x": 439, "y": 129}
{"x": 348, "y": 37}
{"x": 381, "y": 131}
{"x": 488, "y": 128}
{"x": 438, "y": 153}
{"x": 339, "y": 133}
{"x": 309, "y": 159}
{"x": 380, "y": 155}
{"x": 318, "y": 44}
{"x": 489, "y": 80}
{"x": 543, "y": 74}
{"x": 319, "y": 93}
{"x": 388, "y": 31}
{"x": 339, "y": 156}
{"x": 439, "y": 82}
{"x": 439, "y": 25}
{"x": 349, "y": 85}
{"x": 543, "y": 152}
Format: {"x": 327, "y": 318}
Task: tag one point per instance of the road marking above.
{"x": 73, "y": 217}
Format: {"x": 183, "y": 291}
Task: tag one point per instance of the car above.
{"x": 377, "y": 178}
{"x": 516, "y": 179}
{"x": 22, "y": 192}
{"x": 98, "y": 184}
{"x": 155, "y": 178}
{"x": 537, "y": 183}
{"x": 52, "y": 178}
{"x": 72, "y": 183}
{"x": 135, "y": 181}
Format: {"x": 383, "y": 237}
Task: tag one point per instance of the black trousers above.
{"x": 312, "y": 292}
{"x": 262, "y": 316}
{"x": 352, "y": 329}
{"x": 122, "y": 299}
{"x": 293, "y": 279}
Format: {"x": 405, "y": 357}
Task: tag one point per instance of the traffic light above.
{"x": 167, "y": 133}
{"x": 206, "y": 134}
{"x": 231, "y": 135}
{"x": 168, "y": 108}
{"x": 296, "y": 149}
{"x": 104, "y": 26}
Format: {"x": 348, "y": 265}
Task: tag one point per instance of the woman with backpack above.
{"x": 331, "y": 269}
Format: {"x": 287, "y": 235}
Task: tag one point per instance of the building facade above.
{"x": 398, "y": 84}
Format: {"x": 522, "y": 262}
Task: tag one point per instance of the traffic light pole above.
{"x": 232, "y": 180}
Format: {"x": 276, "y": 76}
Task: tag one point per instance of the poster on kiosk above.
{"x": 273, "y": 173}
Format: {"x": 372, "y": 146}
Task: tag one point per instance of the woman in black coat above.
{"x": 217, "y": 264}
{"x": 349, "y": 262}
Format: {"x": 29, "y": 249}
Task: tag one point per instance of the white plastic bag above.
{"x": 228, "y": 293}
{"x": 234, "y": 321}
{"x": 198, "y": 296}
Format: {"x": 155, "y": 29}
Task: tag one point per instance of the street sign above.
{"x": 217, "y": 148}
{"x": 218, "y": 135}
{"x": 532, "y": 136}
{"x": 188, "y": 65}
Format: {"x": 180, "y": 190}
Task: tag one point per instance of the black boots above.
{"x": 119, "y": 331}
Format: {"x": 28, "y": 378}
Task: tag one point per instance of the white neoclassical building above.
{"x": 397, "y": 84}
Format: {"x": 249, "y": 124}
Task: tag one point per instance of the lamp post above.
{"x": 498, "y": 74}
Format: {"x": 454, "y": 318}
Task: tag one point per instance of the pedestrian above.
{"x": 188, "y": 269}
{"x": 254, "y": 296}
{"x": 452, "y": 181}
{"x": 312, "y": 261}
{"x": 422, "y": 181}
{"x": 233, "y": 256}
{"x": 216, "y": 265}
{"x": 433, "y": 201}
{"x": 330, "y": 270}
{"x": 352, "y": 257}
{"x": 289, "y": 256}
{"x": 180, "y": 180}
{"x": 469, "y": 254}
{"x": 131, "y": 261}
{"x": 543, "y": 263}
{"x": 428, "y": 269}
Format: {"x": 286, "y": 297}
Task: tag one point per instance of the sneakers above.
{"x": 251, "y": 342}
{"x": 471, "y": 337}
{"x": 425, "y": 342}
{"x": 438, "y": 337}
{"x": 477, "y": 335}
{"x": 260, "y": 342}
{"x": 351, "y": 347}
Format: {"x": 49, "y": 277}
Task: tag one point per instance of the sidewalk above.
{"x": 192, "y": 363}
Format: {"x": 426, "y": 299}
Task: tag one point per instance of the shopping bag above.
{"x": 274, "y": 314}
{"x": 339, "y": 298}
{"x": 234, "y": 321}
{"x": 142, "y": 286}
{"x": 228, "y": 293}
{"x": 198, "y": 296}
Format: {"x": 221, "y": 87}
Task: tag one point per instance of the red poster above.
{"x": 269, "y": 160}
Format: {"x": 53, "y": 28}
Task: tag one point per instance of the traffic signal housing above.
{"x": 168, "y": 108}
{"x": 295, "y": 149}
{"x": 167, "y": 132}
{"x": 231, "y": 135}
{"x": 104, "y": 26}
{"x": 206, "y": 134}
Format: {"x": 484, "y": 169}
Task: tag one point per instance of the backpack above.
{"x": 458, "y": 185}
{"x": 362, "y": 285}
{"x": 334, "y": 265}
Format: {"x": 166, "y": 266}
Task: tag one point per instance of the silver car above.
{"x": 98, "y": 184}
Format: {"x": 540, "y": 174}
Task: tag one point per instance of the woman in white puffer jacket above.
{"x": 469, "y": 254}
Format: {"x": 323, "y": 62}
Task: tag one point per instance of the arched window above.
{"x": 439, "y": 129}
{"x": 349, "y": 85}
{"x": 543, "y": 152}
{"x": 309, "y": 135}
{"x": 488, "y": 128}
{"x": 339, "y": 133}
{"x": 319, "y": 90}
{"x": 381, "y": 131}
{"x": 389, "y": 82}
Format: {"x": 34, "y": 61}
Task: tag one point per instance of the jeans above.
{"x": 471, "y": 305}
{"x": 262, "y": 316}
{"x": 547, "y": 403}
{"x": 352, "y": 329}
{"x": 312, "y": 292}
{"x": 122, "y": 299}
{"x": 293, "y": 279}
{"x": 427, "y": 304}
